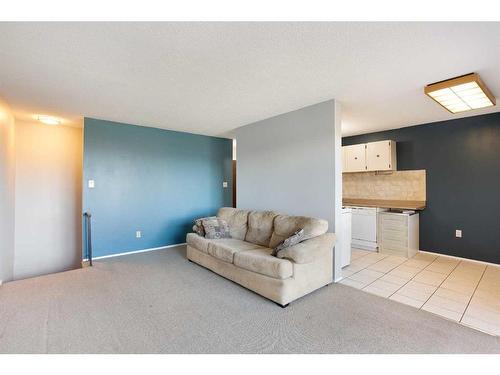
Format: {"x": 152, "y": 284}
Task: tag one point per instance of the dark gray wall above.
{"x": 462, "y": 159}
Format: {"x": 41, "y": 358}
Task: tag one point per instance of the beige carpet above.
{"x": 158, "y": 302}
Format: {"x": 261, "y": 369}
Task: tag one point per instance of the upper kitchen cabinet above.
{"x": 355, "y": 158}
{"x": 369, "y": 157}
{"x": 381, "y": 156}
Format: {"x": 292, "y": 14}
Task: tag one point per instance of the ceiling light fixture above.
{"x": 47, "y": 120}
{"x": 461, "y": 94}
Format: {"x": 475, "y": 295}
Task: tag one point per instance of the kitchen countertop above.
{"x": 384, "y": 203}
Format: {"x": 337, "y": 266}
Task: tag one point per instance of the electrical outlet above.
{"x": 224, "y": 184}
{"x": 458, "y": 233}
{"x": 138, "y": 234}
{"x": 91, "y": 184}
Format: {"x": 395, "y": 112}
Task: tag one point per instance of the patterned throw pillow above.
{"x": 294, "y": 239}
{"x": 216, "y": 228}
{"x": 198, "y": 225}
{"x": 199, "y": 230}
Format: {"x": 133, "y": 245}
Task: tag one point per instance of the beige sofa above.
{"x": 245, "y": 257}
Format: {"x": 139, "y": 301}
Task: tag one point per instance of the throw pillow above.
{"x": 216, "y": 228}
{"x": 198, "y": 225}
{"x": 294, "y": 239}
{"x": 199, "y": 230}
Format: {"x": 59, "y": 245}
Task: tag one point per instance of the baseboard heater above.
{"x": 88, "y": 236}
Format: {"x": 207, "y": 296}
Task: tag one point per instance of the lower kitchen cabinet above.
{"x": 398, "y": 233}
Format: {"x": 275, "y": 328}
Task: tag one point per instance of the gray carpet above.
{"x": 158, "y": 302}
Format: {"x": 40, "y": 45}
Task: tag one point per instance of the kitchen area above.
{"x": 381, "y": 205}
{"x": 382, "y": 255}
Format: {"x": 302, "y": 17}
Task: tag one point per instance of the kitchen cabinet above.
{"x": 398, "y": 233}
{"x": 355, "y": 158}
{"x": 381, "y": 156}
{"x": 369, "y": 157}
{"x": 344, "y": 159}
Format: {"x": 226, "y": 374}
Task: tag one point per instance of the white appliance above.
{"x": 345, "y": 236}
{"x": 364, "y": 227}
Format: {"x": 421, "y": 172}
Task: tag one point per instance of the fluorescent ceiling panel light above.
{"x": 461, "y": 94}
{"x": 47, "y": 120}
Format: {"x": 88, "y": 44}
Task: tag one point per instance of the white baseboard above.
{"x": 364, "y": 245}
{"x": 459, "y": 258}
{"x": 135, "y": 252}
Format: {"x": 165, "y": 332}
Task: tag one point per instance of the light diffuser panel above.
{"x": 461, "y": 94}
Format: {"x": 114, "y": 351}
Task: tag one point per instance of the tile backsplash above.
{"x": 394, "y": 185}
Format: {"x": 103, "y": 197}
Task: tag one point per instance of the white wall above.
{"x": 287, "y": 163}
{"x": 342, "y": 242}
{"x": 48, "y": 199}
{"x": 7, "y": 191}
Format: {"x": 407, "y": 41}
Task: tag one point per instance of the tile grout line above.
{"x": 418, "y": 273}
{"x": 474, "y": 292}
{"x": 442, "y": 282}
{"x": 385, "y": 273}
{"x": 413, "y": 277}
{"x": 362, "y": 256}
{"x": 367, "y": 265}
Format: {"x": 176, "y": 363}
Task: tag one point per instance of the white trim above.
{"x": 460, "y": 258}
{"x": 337, "y": 172}
{"x": 135, "y": 252}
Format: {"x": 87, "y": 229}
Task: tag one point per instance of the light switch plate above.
{"x": 138, "y": 234}
{"x": 458, "y": 233}
{"x": 224, "y": 184}
{"x": 91, "y": 184}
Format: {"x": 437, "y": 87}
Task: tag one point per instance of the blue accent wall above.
{"x": 462, "y": 160}
{"x": 152, "y": 180}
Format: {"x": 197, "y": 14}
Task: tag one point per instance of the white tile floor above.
{"x": 457, "y": 289}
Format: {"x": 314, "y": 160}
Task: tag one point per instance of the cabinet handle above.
{"x": 378, "y": 156}
{"x": 355, "y": 158}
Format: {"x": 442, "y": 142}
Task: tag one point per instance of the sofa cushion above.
{"x": 285, "y": 226}
{"x": 198, "y": 242}
{"x": 260, "y": 227}
{"x": 236, "y": 219}
{"x": 224, "y": 249}
{"x": 261, "y": 261}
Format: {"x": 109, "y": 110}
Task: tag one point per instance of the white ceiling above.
{"x": 209, "y": 78}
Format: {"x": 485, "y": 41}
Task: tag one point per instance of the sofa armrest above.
{"x": 310, "y": 250}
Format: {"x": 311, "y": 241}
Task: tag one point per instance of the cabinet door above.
{"x": 378, "y": 156}
{"x": 344, "y": 159}
{"x": 356, "y": 158}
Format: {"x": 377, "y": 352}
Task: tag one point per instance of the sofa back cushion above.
{"x": 260, "y": 227}
{"x": 285, "y": 226}
{"x": 236, "y": 219}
